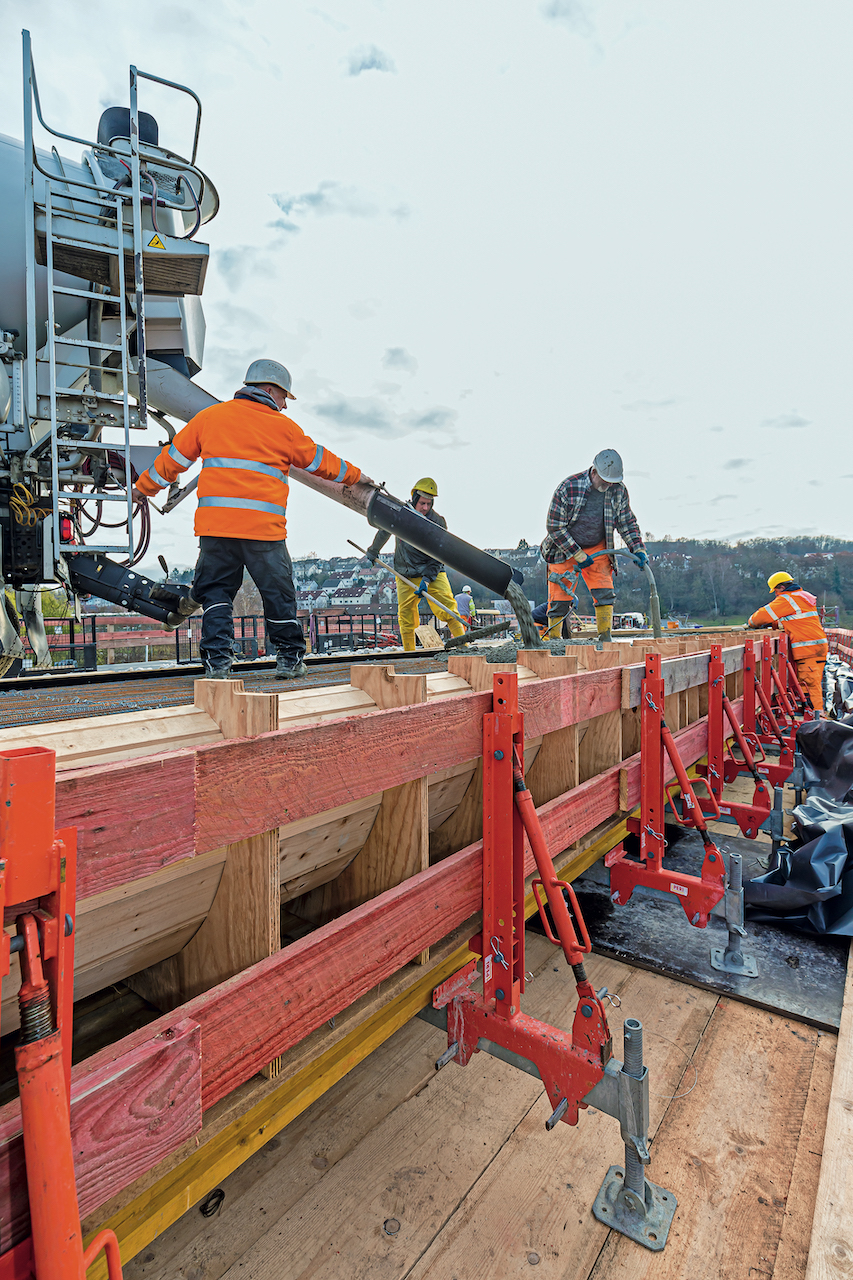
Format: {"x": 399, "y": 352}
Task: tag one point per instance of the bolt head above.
{"x": 586, "y": 1010}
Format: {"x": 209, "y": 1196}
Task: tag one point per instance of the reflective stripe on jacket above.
{"x": 794, "y": 612}
{"x": 247, "y": 450}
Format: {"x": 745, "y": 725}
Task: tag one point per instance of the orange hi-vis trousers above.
{"x": 810, "y": 676}
{"x": 598, "y": 577}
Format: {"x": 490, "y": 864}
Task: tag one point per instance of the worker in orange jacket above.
{"x": 794, "y": 611}
{"x": 247, "y": 447}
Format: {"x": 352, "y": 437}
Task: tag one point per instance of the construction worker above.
{"x": 426, "y": 573}
{"x": 794, "y": 611}
{"x": 584, "y": 512}
{"x": 247, "y": 447}
{"x": 465, "y": 606}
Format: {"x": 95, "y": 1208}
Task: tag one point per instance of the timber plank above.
{"x": 792, "y": 1253}
{"x": 294, "y": 773}
{"x": 727, "y": 1152}
{"x": 536, "y": 1196}
{"x": 246, "y": 787}
{"x": 131, "y": 818}
{"x": 291, "y": 1165}
{"x": 425, "y": 1159}
{"x": 159, "y": 1080}
{"x": 831, "y": 1248}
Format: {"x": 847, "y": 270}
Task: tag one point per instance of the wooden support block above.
{"x": 398, "y": 844}
{"x": 129, "y": 1109}
{"x": 477, "y": 671}
{"x": 243, "y": 924}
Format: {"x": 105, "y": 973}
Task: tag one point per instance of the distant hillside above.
{"x": 706, "y": 579}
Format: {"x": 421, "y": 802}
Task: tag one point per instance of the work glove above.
{"x": 641, "y": 559}
{"x": 422, "y": 587}
{"x": 586, "y": 562}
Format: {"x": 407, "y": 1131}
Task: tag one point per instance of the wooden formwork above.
{"x": 359, "y": 806}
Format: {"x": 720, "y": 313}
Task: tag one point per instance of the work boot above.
{"x": 289, "y": 668}
{"x": 603, "y": 622}
{"x": 217, "y": 673}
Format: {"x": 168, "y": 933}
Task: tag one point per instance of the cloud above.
{"x": 735, "y": 464}
{"x": 640, "y": 406}
{"x": 722, "y": 497}
{"x": 400, "y": 358}
{"x": 328, "y": 198}
{"x": 239, "y": 262}
{"x": 576, "y": 14}
{"x": 369, "y": 58}
{"x": 374, "y": 416}
{"x": 786, "y": 422}
{"x": 715, "y": 428}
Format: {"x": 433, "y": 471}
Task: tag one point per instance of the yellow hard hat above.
{"x": 426, "y": 485}
{"x": 776, "y": 579}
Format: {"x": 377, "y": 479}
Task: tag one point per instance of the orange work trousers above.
{"x": 598, "y": 577}
{"x": 810, "y": 676}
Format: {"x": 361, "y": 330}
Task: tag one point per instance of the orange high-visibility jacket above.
{"x": 795, "y": 613}
{"x": 247, "y": 450}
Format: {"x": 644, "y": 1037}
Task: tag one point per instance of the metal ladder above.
{"x": 63, "y": 227}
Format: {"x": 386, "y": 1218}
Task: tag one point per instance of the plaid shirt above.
{"x": 566, "y": 507}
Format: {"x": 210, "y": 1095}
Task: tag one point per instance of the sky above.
{"x": 491, "y": 237}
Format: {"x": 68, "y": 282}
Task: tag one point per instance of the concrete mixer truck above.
{"x": 101, "y": 334}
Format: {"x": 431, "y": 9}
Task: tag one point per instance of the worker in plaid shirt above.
{"x": 583, "y": 514}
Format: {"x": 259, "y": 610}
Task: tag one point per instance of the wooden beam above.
{"x": 831, "y": 1248}
{"x": 146, "y": 806}
{"x": 131, "y": 1104}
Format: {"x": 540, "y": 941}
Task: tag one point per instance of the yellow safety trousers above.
{"x": 407, "y": 608}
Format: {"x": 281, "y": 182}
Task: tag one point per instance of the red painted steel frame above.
{"x": 698, "y": 895}
{"x": 569, "y": 1064}
{"x": 758, "y": 715}
{"x": 722, "y": 765}
{"x": 37, "y": 875}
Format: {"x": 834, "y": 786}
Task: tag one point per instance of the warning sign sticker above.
{"x": 156, "y": 243}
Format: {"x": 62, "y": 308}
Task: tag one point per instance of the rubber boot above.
{"x": 603, "y": 622}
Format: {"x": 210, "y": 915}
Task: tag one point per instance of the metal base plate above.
{"x": 649, "y": 1229}
{"x": 749, "y": 968}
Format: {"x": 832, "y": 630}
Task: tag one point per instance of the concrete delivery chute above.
{"x": 102, "y": 253}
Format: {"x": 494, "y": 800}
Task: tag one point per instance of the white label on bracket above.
{"x": 487, "y": 968}
{"x": 678, "y": 888}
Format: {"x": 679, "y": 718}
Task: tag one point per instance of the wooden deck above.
{"x": 402, "y": 1172}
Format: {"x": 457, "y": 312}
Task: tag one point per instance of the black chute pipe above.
{"x": 393, "y": 516}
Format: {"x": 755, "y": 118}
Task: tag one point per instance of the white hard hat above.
{"x": 608, "y": 464}
{"x": 468, "y": 589}
{"x": 260, "y": 371}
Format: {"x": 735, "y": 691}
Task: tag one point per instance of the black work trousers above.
{"x": 218, "y": 577}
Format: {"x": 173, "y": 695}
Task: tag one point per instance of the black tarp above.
{"x": 811, "y": 890}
